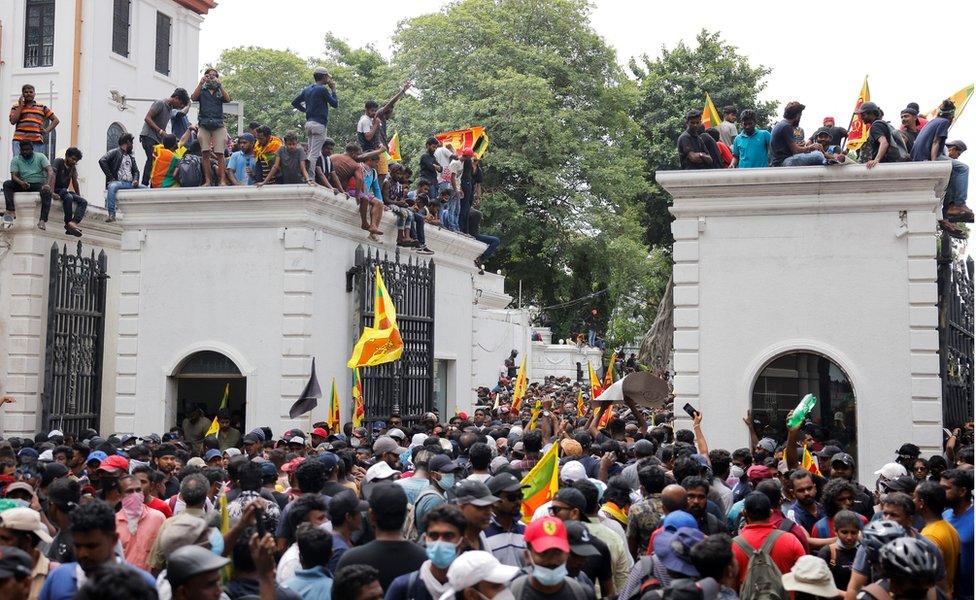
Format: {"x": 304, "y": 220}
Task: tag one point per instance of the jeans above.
{"x": 10, "y": 187}
{"x": 147, "y": 144}
{"x": 591, "y": 338}
{"x": 74, "y": 206}
{"x": 316, "y": 137}
{"x": 957, "y": 192}
{"x": 807, "y": 159}
{"x": 492, "y": 242}
{"x": 454, "y": 212}
{"x": 465, "y": 212}
{"x": 38, "y": 147}
{"x": 417, "y": 229}
{"x": 112, "y": 189}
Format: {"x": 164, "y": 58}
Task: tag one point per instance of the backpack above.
{"x": 410, "y": 531}
{"x": 763, "y": 579}
{"x": 190, "y": 171}
{"x": 897, "y": 148}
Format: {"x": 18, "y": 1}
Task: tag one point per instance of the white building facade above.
{"x": 76, "y": 52}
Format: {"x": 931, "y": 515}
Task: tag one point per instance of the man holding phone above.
{"x": 315, "y": 101}
{"x": 211, "y": 132}
{"x": 31, "y": 121}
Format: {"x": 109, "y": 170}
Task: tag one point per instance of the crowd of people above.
{"x": 446, "y": 192}
{"x": 787, "y": 145}
{"x": 435, "y": 508}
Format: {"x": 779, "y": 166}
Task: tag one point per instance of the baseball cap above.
{"x": 28, "y": 453}
{"x": 252, "y": 437}
{"x": 296, "y": 439}
{"x": 397, "y": 434}
{"x": 55, "y": 433}
{"x": 380, "y": 470}
{"x": 767, "y": 444}
{"x": 182, "y": 530}
{"x": 474, "y": 566}
{"x": 545, "y": 534}
{"x": 292, "y": 465}
{"x": 469, "y": 491}
{"x": 114, "y": 463}
{"x": 441, "y": 463}
{"x": 689, "y": 589}
{"x": 842, "y": 457}
{"x": 15, "y": 562}
{"x": 320, "y": 432}
{"x": 46, "y": 456}
{"x": 810, "y": 574}
{"x": 320, "y": 71}
{"x": 388, "y": 498}
{"x": 232, "y": 452}
{"x": 344, "y": 503}
{"x": 643, "y": 447}
{"x": 211, "y": 454}
{"x": 758, "y": 472}
{"x": 961, "y": 145}
{"x": 330, "y": 460}
{"x": 196, "y": 461}
{"x": 909, "y": 450}
{"x": 829, "y": 451}
{"x": 190, "y": 561}
{"x": 18, "y": 486}
{"x": 673, "y": 548}
{"x": 497, "y": 463}
{"x": 580, "y": 539}
{"x": 902, "y": 483}
{"x": 572, "y": 471}
{"x": 25, "y": 519}
{"x": 384, "y": 444}
{"x": 246, "y": 137}
{"x": 891, "y": 471}
{"x": 573, "y": 498}
{"x": 503, "y": 482}
{"x": 677, "y": 519}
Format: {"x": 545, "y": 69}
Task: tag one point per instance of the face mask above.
{"x": 216, "y": 541}
{"x": 132, "y": 504}
{"x": 355, "y": 442}
{"x": 546, "y": 576}
{"x": 446, "y": 481}
{"x": 441, "y": 554}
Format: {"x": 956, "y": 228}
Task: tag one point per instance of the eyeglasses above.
{"x": 511, "y": 497}
{"x": 554, "y": 510}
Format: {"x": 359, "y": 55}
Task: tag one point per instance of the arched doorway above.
{"x": 785, "y": 380}
{"x": 202, "y": 378}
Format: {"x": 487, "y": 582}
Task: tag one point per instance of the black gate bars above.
{"x": 955, "y": 335}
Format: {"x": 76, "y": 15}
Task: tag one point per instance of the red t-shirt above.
{"x": 161, "y": 506}
{"x": 777, "y": 517}
{"x": 785, "y": 552}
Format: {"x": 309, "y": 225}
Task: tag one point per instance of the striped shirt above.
{"x": 30, "y": 126}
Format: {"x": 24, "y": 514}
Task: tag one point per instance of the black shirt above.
{"x": 474, "y": 224}
{"x": 62, "y": 174}
{"x": 331, "y": 488}
{"x": 688, "y": 143}
{"x": 427, "y": 171}
{"x": 841, "y": 568}
{"x": 879, "y": 130}
{"x": 391, "y": 559}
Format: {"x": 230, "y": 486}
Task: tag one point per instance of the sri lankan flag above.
{"x": 393, "y": 147}
{"x": 580, "y": 405}
{"x": 380, "y": 343}
{"x": 608, "y": 376}
{"x": 358, "y": 409}
{"x": 710, "y": 116}
{"x": 541, "y": 483}
{"x": 857, "y": 133}
{"x": 596, "y": 388}
{"x": 520, "y": 386}
{"x": 472, "y": 138}
{"x": 333, "y": 419}
{"x": 960, "y": 99}
{"x": 215, "y": 425}
{"x": 536, "y": 411}
{"x": 808, "y": 463}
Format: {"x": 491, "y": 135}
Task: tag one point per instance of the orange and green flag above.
{"x": 521, "y": 385}
{"x": 960, "y": 99}
{"x": 380, "y": 343}
{"x": 710, "y": 116}
{"x": 808, "y": 463}
{"x": 541, "y": 483}
{"x": 393, "y": 147}
{"x": 358, "y": 409}
{"x": 472, "y": 138}
{"x": 857, "y": 133}
{"x": 333, "y": 418}
{"x": 596, "y": 388}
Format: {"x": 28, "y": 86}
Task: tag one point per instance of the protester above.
{"x": 750, "y": 148}
{"x": 68, "y": 190}
{"x": 785, "y": 150}
{"x": 930, "y": 145}
{"x": 121, "y": 171}
{"x": 154, "y": 127}
{"x": 212, "y": 132}
{"x": 696, "y": 151}
{"x": 31, "y": 121}
{"x": 30, "y": 171}
{"x": 315, "y": 101}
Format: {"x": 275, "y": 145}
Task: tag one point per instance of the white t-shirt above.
{"x": 364, "y": 125}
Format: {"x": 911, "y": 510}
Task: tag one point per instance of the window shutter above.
{"x": 120, "y": 27}
{"x": 39, "y": 33}
{"x": 164, "y": 25}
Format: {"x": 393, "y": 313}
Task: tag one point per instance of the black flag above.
{"x": 308, "y": 400}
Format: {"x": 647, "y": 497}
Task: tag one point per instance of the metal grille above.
{"x": 120, "y": 27}
{"x": 955, "y": 335}
{"x": 39, "y": 34}
{"x": 75, "y": 331}
{"x": 164, "y": 27}
{"x": 407, "y": 385}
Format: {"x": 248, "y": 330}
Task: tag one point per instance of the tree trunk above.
{"x": 656, "y": 347}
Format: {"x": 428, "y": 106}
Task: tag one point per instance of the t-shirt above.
{"x": 945, "y": 537}
{"x": 239, "y": 164}
{"x": 159, "y": 113}
{"x": 290, "y": 167}
{"x": 879, "y": 130}
{"x": 934, "y": 132}
{"x": 315, "y": 99}
{"x": 688, "y": 143}
{"x": 30, "y": 126}
{"x": 779, "y": 144}
{"x": 363, "y": 126}
{"x": 841, "y": 569}
{"x": 727, "y": 132}
{"x": 62, "y": 174}
{"x": 325, "y": 163}
{"x": 837, "y": 135}
{"x": 31, "y": 170}
{"x": 963, "y": 524}
{"x": 391, "y": 559}
{"x": 752, "y": 150}
{"x": 801, "y": 517}
{"x": 785, "y": 551}
{"x": 565, "y": 593}
{"x": 345, "y": 168}
{"x": 427, "y": 171}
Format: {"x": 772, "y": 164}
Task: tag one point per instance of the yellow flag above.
{"x": 710, "y": 116}
{"x": 857, "y": 133}
{"x": 520, "y": 386}
{"x": 333, "y": 418}
{"x": 214, "y": 428}
{"x": 536, "y": 411}
{"x": 608, "y": 376}
{"x": 358, "y": 409}
{"x": 215, "y": 425}
{"x": 394, "y": 147}
{"x": 541, "y": 483}
{"x": 580, "y": 405}
{"x": 960, "y": 99}
{"x": 380, "y": 343}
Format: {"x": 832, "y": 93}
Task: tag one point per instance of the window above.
{"x": 39, "y": 34}
{"x": 115, "y": 131}
{"x": 164, "y": 27}
{"x": 120, "y": 27}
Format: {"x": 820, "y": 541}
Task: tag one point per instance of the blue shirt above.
{"x": 752, "y": 150}
{"x": 240, "y": 163}
{"x": 507, "y": 546}
{"x": 62, "y": 583}
{"x": 312, "y": 584}
{"x": 963, "y": 587}
{"x": 801, "y": 517}
{"x": 314, "y": 101}
{"x": 935, "y": 131}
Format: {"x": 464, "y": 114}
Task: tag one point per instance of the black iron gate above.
{"x": 406, "y": 386}
{"x": 75, "y": 331}
{"x": 955, "y": 335}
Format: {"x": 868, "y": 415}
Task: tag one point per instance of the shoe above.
{"x": 959, "y": 213}
{"x": 75, "y": 232}
{"x": 7, "y": 221}
{"x": 110, "y": 219}
{"x": 424, "y": 250}
{"x": 42, "y": 225}
{"x": 953, "y": 231}
{"x": 373, "y": 237}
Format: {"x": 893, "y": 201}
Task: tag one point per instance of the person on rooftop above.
{"x": 785, "y": 150}
{"x": 697, "y": 151}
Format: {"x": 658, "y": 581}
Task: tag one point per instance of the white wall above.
{"x": 838, "y": 261}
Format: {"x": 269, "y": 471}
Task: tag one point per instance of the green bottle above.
{"x": 802, "y": 410}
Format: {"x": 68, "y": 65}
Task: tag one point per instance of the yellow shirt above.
{"x": 945, "y": 536}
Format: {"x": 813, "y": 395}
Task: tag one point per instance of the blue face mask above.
{"x": 446, "y": 481}
{"x": 216, "y": 541}
{"x": 441, "y": 554}
{"x": 546, "y": 576}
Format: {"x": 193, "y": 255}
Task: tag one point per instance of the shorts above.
{"x": 216, "y": 139}
{"x": 384, "y": 167}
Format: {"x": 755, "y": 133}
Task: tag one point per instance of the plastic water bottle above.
{"x": 802, "y": 410}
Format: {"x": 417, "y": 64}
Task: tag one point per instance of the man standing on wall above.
{"x": 154, "y": 126}
{"x": 28, "y": 117}
{"x": 315, "y": 101}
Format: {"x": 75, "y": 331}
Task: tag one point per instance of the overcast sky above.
{"x": 817, "y": 56}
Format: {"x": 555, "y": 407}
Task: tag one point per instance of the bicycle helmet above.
{"x": 878, "y": 533}
{"x": 909, "y": 558}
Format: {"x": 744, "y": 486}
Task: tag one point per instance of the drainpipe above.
{"x": 76, "y": 74}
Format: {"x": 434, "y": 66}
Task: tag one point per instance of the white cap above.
{"x": 572, "y": 471}
{"x": 297, "y": 440}
{"x": 380, "y": 470}
{"x": 446, "y": 444}
{"x": 46, "y": 456}
{"x": 473, "y": 567}
{"x": 396, "y": 433}
{"x": 196, "y": 461}
{"x": 25, "y": 519}
{"x": 891, "y": 471}
{"x": 55, "y": 433}
{"x": 417, "y": 439}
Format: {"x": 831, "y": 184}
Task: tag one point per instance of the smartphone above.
{"x": 259, "y": 522}
{"x": 690, "y": 410}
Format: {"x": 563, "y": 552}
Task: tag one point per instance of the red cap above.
{"x": 114, "y": 463}
{"x": 320, "y": 432}
{"x": 467, "y": 152}
{"x": 826, "y": 119}
{"x": 290, "y": 466}
{"x": 463, "y": 416}
{"x": 547, "y": 533}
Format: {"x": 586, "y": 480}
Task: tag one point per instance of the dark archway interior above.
{"x": 202, "y": 378}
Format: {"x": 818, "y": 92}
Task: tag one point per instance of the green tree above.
{"x": 266, "y": 81}
{"x": 674, "y": 83}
